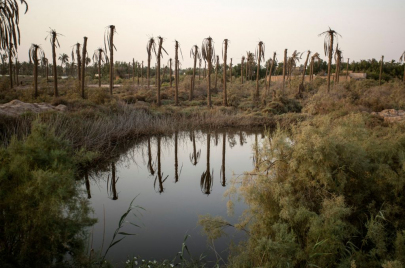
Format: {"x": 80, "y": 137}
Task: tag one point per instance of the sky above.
{"x": 369, "y": 28}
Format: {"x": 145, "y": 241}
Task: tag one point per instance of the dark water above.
{"x": 175, "y": 180}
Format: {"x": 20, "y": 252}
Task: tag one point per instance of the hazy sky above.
{"x": 369, "y": 28}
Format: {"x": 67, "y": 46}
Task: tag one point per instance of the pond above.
{"x": 174, "y": 178}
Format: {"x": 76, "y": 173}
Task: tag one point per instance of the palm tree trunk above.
{"x": 142, "y": 74}
{"x": 113, "y": 182}
{"x": 86, "y": 177}
{"x": 258, "y": 71}
{"x": 209, "y": 72}
{"x": 205, "y": 67}
{"x": 330, "y": 60}
{"x": 347, "y": 69}
{"x": 10, "y": 68}
{"x": 193, "y": 78}
{"x": 112, "y": 28}
{"x": 79, "y": 64}
{"x": 158, "y": 70}
{"x": 284, "y": 67}
{"x": 133, "y": 70}
{"x": 301, "y": 86}
{"x": 84, "y": 65}
{"x": 381, "y": 68}
{"x": 176, "y": 66}
{"x": 55, "y": 74}
{"x": 35, "y": 56}
{"x": 47, "y": 72}
{"x": 225, "y": 97}
{"x": 270, "y": 72}
{"x": 199, "y": 71}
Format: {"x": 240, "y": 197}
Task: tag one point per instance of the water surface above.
{"x": 175, "y": 178}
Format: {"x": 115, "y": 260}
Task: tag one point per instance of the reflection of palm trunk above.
{"x": 176, "y": 163}
{"x": 194, "y": 151}
{"x": 206, "y": 177}
{"x": 159, "y": 167}
{"x": 216, "y": 138}
{"x": 240, "y": 138}
{"x": 256, "y": 154}
{"x": 223, "y": 160}
{"x": 86, "y": 176}
{"x": 150, "y": 166}
{"x": 113, "y": 182}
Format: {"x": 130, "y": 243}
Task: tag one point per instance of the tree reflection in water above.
{"x": 159, "y": 176}
{"x": 207, "y": 177}
{"x": 195, "y": 156}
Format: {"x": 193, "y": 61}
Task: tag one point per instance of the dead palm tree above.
{"x": 338, "y": 60}
{"x": 381, "y": 68}
{"x": 292, "y": 63}
{"x": 347, "y": 69}
{"x": 159, "y": 55}
{"x": 64, "y": 59}
{"x": 86, "y": 60}
{"x": 76, "y": 50}
{"x": 271, "y": 71}
{"x": 33, "y": 57}
{"x": 9, "y": 20}
{"x": 99, "y": 56}
{"x": 11, "y": 54}
{"x": 284, "y": 67}
{"x": 402, "y": 59}
{"x": 196, "y": 55}
{"x": 177, "y": 69}
{"x": 223, "y": 181}
{"x": 259, "y": 55}
{"x": 251, "y": 62}
{"x": 330, "y": 35}
{"x": 53, "y": 38}
{"x": 241, "y": 69}
{"x": 208, "y": 54}
{"x": 301, "y": 86}
{"x": 109, "y": 40}
{"x": 314, "y": 58}
{"x": 150, "y": 47}
{"x": 199, "y": 69}
{"x": 195, "y": 156}
{"x": 224, "y": 55}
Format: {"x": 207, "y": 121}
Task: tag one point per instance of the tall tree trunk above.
{"x": 209, "y": 58}
{"x": 311, "y": 69}
{"x": 54, "y": 73}
{"x": 284, "y": 67}
{"x": 330, "y": 60}
{"x": 270, "y": 72}
{"x": 84, "y": 65}
{"x": 381, "y": 68}
{"x": 142, "y": 74}
{"x": 79, "y": 63}
{"x": 47, "y": 72}
{"x": 258, "y": 71}
{"x": 225, "y": 96}
{"x": 199, "y": 71}
{"x": 10, "y": 67}
{"x": 112, "y": 29}
{"x": 150, "y": 164}
{"x": 247, "y": 67}
{"x": 241, "y": 70}
{"x": 35, "y": 56}
{"x": 159, "y": 175}
{"x": 230, "y": 72}
{"x": 158, "y": 70}
{"x": 99, "y": 68}
{"x": 301, "y": 86}
{"x": 155, "y": 74}
{"x": 347, "y": 69}
{"x": 194, "y": 69}
{"x": 205, "y": 67}
{"x": 86, "y": 177}
{"x": 176, "y": 65}
{"x": 137, "y": 71}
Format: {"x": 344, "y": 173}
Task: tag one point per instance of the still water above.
{"x": 174, "y": 178}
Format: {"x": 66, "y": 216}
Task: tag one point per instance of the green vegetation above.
{"x": 327, "y": 193}
{"x": 43, "y": 216}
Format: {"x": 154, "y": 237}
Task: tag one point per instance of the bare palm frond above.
{"x": 9, "y": 20}
{"x": 107, "y": 41}
{"x": 327, "y": 44}
{"x": 402, "y": 58}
